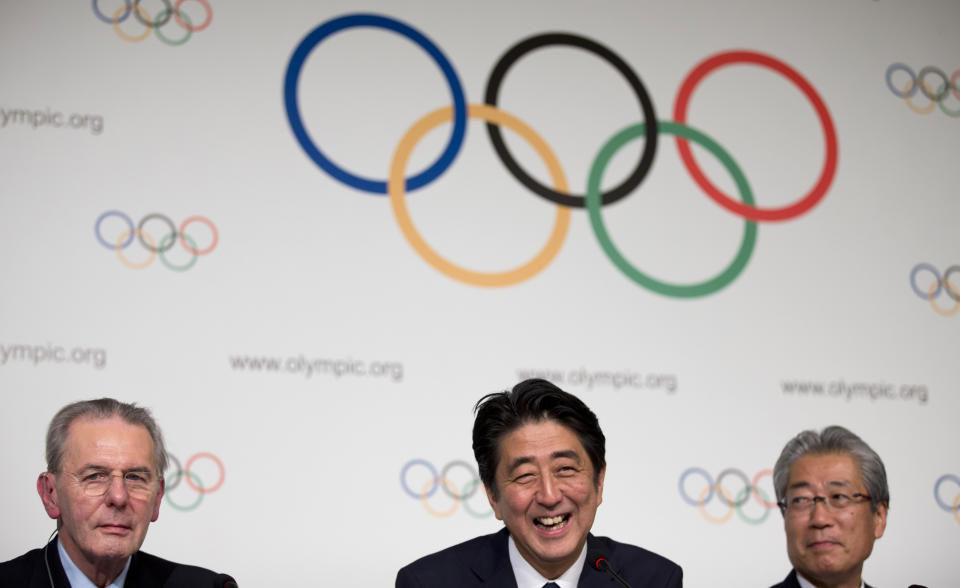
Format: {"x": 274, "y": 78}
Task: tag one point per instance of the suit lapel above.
{"x": 590, "y": 577}
{"x": 492, "y": 563}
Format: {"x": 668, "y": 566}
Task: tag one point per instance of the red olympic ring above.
{"x": 189, "y": 27}
{"x": 199, "y": 219}
{"x": 756, "y": 489}
{"x": 216, "y": 460}
{"x": 829, "y": 134}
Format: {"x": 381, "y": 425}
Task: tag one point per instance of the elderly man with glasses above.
{"x": 832, "y": 491}
{"x": 103, "y": 485}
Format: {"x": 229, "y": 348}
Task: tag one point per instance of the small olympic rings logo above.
{"x": 193, "y": 480}
{"x": 170, "y": 11}
{"x": 948, "y": 505}
{"x": 936, "y": 95}
{"x": 425, "y": 489}
{"x": 396, "y": 185}
{"x": 939, "y": 284}
{"x": 155, "y": 248}
{"x": 735, "y": 501}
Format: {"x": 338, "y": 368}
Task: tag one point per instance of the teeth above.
{"x": 550, "y": 521}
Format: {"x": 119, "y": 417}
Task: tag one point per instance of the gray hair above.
{"x": 101, "y": 408}
{"x": 833, "y": 440}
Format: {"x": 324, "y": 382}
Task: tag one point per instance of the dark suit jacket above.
{"x": 146, "y": 571}
{"x": 791, "y": 581}
{"x": 485, "y": 561}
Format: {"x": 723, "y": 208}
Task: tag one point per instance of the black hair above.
{"x": 531, "y": 401}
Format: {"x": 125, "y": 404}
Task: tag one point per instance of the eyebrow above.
{"x": 100, "y": 468}
{"x": 837, "y": 483}
{"x": 561, "y": 454}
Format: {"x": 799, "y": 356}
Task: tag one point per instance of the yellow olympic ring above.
{"x": 701, "y": 502}
{"x": 906, "y": 96}
{"x": 937, "y": 309}
{"x": 956, "y": 505}
{"x": 426, "y": 505}
{"x": 127, "y": 262}
{"x": 397, "y": 189}
{"x": 116, "y": 24}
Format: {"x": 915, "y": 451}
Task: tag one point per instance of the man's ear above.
{"x": 493, "y": 502}
{"x": 156, "y": 507}
{"x": 47, "y": 489}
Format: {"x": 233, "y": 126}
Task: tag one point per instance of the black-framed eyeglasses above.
{"x": 834, "y": 502}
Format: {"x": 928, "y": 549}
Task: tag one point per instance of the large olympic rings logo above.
{"x": 181, "y": 473}
{"x": 949, "y": 506}
{"x": 917, "y": 81}
{"x": 940, "y": 284}
{"x": 456, "y": 492}
{"x": 155, "y": 248}
{"x": 167, "y": 13}
{"x": 396, "y": 185}
{"x": 735, "y": 501}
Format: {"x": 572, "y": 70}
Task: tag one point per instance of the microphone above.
{"x": 599, "y": 562}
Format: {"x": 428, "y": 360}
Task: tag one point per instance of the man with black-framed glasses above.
{"x": 832, "y": 491}
{"x": 103, "y": 485}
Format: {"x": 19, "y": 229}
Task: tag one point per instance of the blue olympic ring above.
{"x": 943, "y": 282}
{"x": 936, "y": 491}
{"x": 113, "y": 246}
{"x": 106, "y": 19}
{"x": 292, "y": 78}
{"x": 433, "y": 474}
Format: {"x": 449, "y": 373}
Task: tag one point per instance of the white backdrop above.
{"x": 313, "y": 353}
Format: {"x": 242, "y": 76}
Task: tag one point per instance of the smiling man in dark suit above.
{"x": 540, "y": 454}
{"x": 103, "y": 485}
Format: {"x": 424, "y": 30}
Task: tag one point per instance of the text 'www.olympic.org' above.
{"x": 37, "y": 118}
{"x": 857, "y": 390}
{"x": 42, "y": 354}
{"x": 603, "y": 379}
{"x": 338, "y": 368}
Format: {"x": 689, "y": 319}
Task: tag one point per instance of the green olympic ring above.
{"x": 165, "y": 14}
{"x": 193, "y": 248}
{"x": 743, "y": 494}
{"x": 196, "y": 503}
{"x": 467, "y": 491}
{"x": 593, "y": 207}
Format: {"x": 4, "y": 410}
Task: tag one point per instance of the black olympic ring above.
{"x": 173, "y": 230}
{"x": 746, "y": 484}
{"x": 167, "y": 9}
{"x": 650, "y": 118}
{"x": 923, "y": 87}
{"x": 473, "y": 484}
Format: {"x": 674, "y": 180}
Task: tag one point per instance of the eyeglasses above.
{"x": 833, "y": 502}
{"x": 138, "y": 484}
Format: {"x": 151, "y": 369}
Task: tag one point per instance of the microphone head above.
{"x": 598, "y": 560}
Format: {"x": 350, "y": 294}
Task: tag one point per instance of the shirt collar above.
{"x": 805, "y": 583}
{"x": 528, "y": 577}
{"x": 78, "y": 579}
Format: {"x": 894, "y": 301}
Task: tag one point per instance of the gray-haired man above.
{"x": 103, "y": 485}
{"x": 832, "y": 491}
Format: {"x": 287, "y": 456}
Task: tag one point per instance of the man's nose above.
{"x": 549, "y": 492}
{"x": 820, "y": 515}
{"x": 117, "y": 492}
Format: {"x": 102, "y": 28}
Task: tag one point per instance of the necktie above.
{"x": 551, "y": 585}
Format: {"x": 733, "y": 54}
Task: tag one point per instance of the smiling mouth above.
{"x": 552, "y": 523}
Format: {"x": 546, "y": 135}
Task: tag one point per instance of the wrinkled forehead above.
{"x": 539, "y": 437}
{"x": 91, "y": 440}
{"x": 835, "y": 469}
